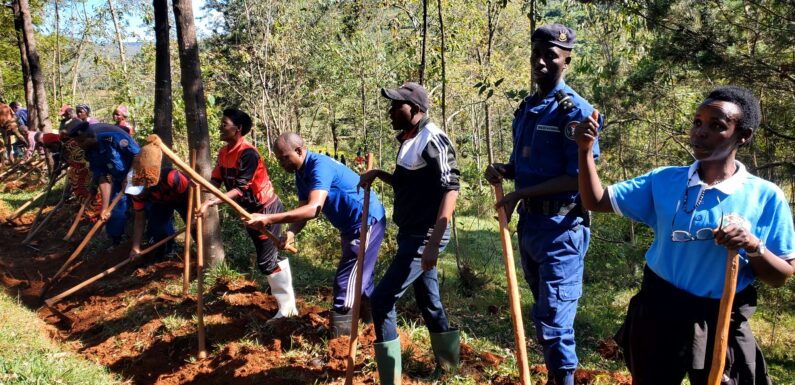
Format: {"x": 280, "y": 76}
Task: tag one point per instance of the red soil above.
{"x": 130, "y": 322}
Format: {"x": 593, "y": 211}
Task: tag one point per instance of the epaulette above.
{"x": 564, "y": 100}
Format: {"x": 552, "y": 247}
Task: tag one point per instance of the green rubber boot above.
{"x": 388, "y": 360}
{"x": 447, "y": 351}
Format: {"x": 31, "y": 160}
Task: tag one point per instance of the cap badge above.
{"x": 563, "y": 36}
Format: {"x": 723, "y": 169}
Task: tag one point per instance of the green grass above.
{"x": 28, "y": 356}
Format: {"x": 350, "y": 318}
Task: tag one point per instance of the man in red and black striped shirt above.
{"x": 155, "y": 206}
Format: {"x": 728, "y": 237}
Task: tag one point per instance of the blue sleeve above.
{"x": 321, "y": 176}
{"x": 570, "y": 146}
{"x": 634, "y": 199}
{"x": 127, "y": 146}
{"x": 776, "y": 227}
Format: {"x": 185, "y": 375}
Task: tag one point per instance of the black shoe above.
{"x": 340, "y": 324}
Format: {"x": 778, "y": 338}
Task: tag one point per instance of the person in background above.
{"x": 84, "y": 113}
{"x": 698, "y": 213}
{"x": 120, "y": 116}
{"x": 67, "y": 115}
{"x": 241, "y": 170}
{"x": 21, "y": 113}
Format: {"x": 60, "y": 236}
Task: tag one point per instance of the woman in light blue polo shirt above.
{"x": 697, "y": 212}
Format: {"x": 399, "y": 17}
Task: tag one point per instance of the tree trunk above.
{"x": 59, "y": 82}
{"x": 163, "y": 103}
{"x": 23, "y": 53}
{"x": 364, "y": 107}
{"x": 40, "y": 92}
{"x": 196, "y": 117}
{"x": 444, "y": 70}
{"x": 489, "y": 141}
{"x": 424, "y": 39}
{"x": 122, "y": 57}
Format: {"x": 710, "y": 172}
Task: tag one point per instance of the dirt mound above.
{"x": 137, "y": 323}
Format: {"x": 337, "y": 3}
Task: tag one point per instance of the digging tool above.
{"x": 18, "y": 166}
{"x": 724, "y": 318}
{"x": 25, "y": 175}
{"x": 78, "y": 217}
{"x": 186, "y": 255}
{"x": 199, "y": 275}
{"x": 52, "y": 301}
{"x": 47, "y": 191}
{"x": 513, "y": 290}
{"x": 24, "y": 207}
{"x": 32, "y": 233}
{"x": 81, "y": 246}
{"x": 357, "y": 295}
{"x": 155, "y": 140}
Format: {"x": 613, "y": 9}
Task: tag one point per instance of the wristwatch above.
{"x": 760, "y": 250}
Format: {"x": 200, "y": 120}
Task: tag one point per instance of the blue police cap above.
{"x": 555, "y": 34}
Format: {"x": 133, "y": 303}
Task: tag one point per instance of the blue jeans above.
{"x": 406, "y": 270}
{"x": 552, "y": 260}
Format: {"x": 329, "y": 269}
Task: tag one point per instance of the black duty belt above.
{"x": 546, "y": 207}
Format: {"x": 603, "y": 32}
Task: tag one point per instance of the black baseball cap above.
{"x": 408, "y": 92}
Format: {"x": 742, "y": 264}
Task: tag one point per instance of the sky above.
{"x": 136, "y": 30}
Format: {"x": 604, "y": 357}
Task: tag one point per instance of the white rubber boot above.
{"x": 281, "y": 284}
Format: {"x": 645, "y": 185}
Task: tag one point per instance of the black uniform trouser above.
{"x": 267, "y": 252}
{"x": 669, "y": 333}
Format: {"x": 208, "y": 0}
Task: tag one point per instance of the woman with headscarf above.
{"x": 84, "y": 113}
{"x": 120, "y": 115}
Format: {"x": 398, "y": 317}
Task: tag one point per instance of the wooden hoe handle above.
{"x": 59, "y": 297}
{"x": 155, "y": 140}
{"x": 513, "y": 290}
{"x": 357, "y": 295}
{"x": 88, "y": 236}
{"x": 724, "y": 318}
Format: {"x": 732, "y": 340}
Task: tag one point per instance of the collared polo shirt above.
{"x": 657, "y": 199}
{"x": 343, "y": 205}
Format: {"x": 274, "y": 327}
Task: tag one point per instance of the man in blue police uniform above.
{"x": 553, "y": 227}
{"x": 326, "y": 185}
{"x": 109, "y": 151}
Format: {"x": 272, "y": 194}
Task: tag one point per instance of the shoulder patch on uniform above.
{"x": 569, "y": 131}
{"x": 545, "y": 128}
{"x": 124, "y": 143}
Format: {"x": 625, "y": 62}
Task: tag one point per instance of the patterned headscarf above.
{"x": 122, "y": 110}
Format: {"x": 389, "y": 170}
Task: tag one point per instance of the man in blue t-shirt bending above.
{"x": 326, "y": 185}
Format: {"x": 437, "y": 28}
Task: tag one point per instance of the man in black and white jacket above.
{"x": 426, "y": 184}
